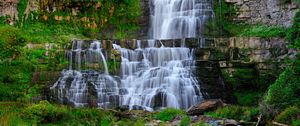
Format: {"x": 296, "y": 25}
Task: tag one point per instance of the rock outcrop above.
{"x": 9, "y": 8}
{"x": 204, "y": 106}
{"x": 271, "y": 12}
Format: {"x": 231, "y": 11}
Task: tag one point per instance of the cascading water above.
{"x": 84, "y": 87}
{"x": 158, "y": 77}
{"x": 152, "y": 76}
{"x": 174, "y": 19}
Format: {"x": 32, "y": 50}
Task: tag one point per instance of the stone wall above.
{"x": 271, "y": 12}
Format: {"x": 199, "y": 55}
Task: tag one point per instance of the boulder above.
{"x": 204, "y": 106}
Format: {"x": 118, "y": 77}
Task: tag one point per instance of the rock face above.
{"x": 9, "y": 8}
{"x": 215, "y": 58}
{"x": 144, "y": 20}
{"x": 271, "y": 12}
{"x": 218, "y": 58}
{"x": 204, "y": 106}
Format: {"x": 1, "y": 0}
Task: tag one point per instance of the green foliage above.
{"x": 293, "y": 34}
{"x": 289, "y": 115}
{"x": 185, "y": 121}
{"x": 235, "y": 112}
{"x": 168, "y": 114}
{"x": 248, "y": 86}
{"x": 296, "y": 123}
{"x": 201, "y": 124}
{"x": 21, "y": 9}
{"x": 85, "y": 116}
{"x": 241, "y": 78}
{"x": 44, "y": 112}
{"x": 285, "y": 91}
{"x": 263, "y": 31}
{"x": 223, "y": 24}
{"x": 113, "y": 18}
{"x": 128, "y": 122}
{"x": 9, "y": 114}
{"x": 224, "y": 13}
{"x": 248, "y": 98}
{"x": 10, "y": 42}
{"x": 247, "y": 30}
{"x": 12, "y": 92}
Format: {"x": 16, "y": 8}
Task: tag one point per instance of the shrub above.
{"x": 289, "y": 115}
{"x": 168, "y": 114}
{"x": 11, "y": 42}
{"x": 12, "y": 92}
{"x": 249, "y": 98}
{"x": 285, "y": 91}
{"x": 44, "y": 112}
{"x": 296, "y": 123}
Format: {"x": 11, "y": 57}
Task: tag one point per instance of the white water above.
{"x": 173, "y": 19}
{"x": 77, "y": 87}
{"x": 158, "y": 77}
{"x": 151, "y": 77}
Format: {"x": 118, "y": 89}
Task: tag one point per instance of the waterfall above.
{"x": 153, "y": 74}
{"x": 174, "y": 19}
{"x": 158, "y": 77}
{"x": 81, "y": 87}
{"x": 151, "y": 77}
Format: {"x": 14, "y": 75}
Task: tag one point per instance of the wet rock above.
{"x": 204, "y": 106}
{"x": 122, "y": 108}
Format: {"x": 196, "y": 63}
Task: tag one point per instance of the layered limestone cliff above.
{"x": 271, "y": 12}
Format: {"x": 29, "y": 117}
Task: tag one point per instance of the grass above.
{"x": 45, "y": 113}
{"x": 235, "y": 112}
{"x": 247, "y": 30}
{"x": 168, "y": 114}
